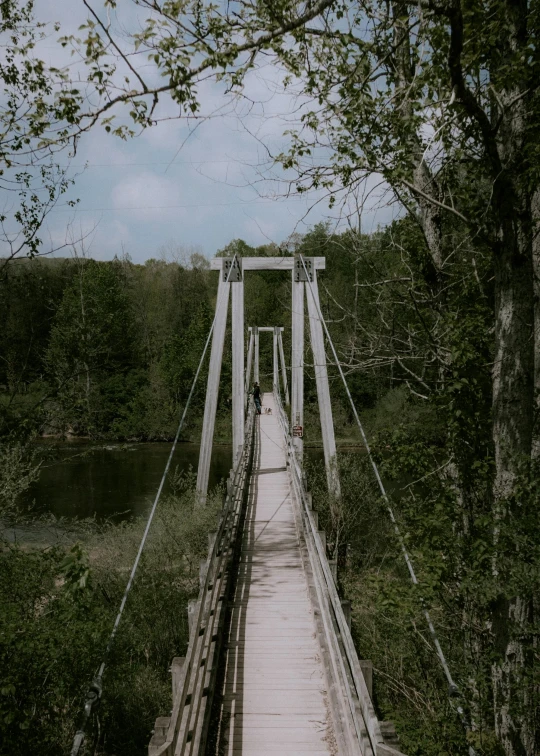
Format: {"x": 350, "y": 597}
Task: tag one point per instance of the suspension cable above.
{"x": 95, "y": 689}
{"x": 453, "y": 689}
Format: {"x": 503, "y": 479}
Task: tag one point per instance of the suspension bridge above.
{"x": 270, "y": 667}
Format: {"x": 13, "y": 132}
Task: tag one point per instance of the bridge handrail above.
{"x": 367, "y": 710}
{"x": 187, "y": 731}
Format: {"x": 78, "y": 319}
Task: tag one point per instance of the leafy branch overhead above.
{"x": 47, "y": 109}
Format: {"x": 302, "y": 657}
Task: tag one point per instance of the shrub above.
{"x": 57, "y": 608}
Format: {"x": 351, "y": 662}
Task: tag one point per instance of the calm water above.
{"x": 116, "y": 480}
{"x": 119, "y": 481}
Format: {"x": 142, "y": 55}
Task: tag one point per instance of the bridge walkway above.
{"x": 274, "y": 697}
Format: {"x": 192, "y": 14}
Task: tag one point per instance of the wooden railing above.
{"x": 184, "y": 733}
{"x": 361, "y": 731}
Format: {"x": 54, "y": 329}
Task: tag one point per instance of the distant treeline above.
{"x": 109, "y": 349}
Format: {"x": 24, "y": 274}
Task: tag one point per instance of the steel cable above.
{"x": 95, "y": 689}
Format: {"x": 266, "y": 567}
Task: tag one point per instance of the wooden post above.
{"x": 176, "y": 671}
{"x": 323, "y": 389}
{"x": 212, "y": 389}
{"x": 268, "y": 263}
{"x": 347, "y": 611}
{"x": 238, "y": 404}
{"x": 249, "y": 363}
{"x": 275, "y": 361}
{"x": 203, "y": 569}
{"x": 256, "y": 362}
{"x": 366, "y": 665}
{"x": 283, "y": 369}
{"x": 192, "y": 609}
{"x": 297, "y": 362}
{"x": 159, "y": 736}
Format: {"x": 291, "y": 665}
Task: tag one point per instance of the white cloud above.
{"x": 222, "y": 165}
{"x": 147, "y": 194}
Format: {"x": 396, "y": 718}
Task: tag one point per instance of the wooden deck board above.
{"x": 273, "y": 699}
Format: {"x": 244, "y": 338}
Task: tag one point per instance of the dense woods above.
{"x": 101, "y": 349}
{"x": 436, "y": 317}
{"x": 109, "y": 349}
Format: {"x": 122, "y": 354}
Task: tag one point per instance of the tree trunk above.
{"x": 512, "y": 437}
{"x": 512, "y": 427}
{"x": 513, "y": 366}
{"x": 513, "y": 383}
{"x": 535, "y": 208}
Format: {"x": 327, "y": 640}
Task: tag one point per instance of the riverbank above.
{"x": 57, "y": 607}
{"x": 347, "y": 433}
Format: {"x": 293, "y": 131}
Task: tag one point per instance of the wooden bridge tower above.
{"x": 304, "y": 286}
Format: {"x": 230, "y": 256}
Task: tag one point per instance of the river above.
{"x": 114, "y": 481}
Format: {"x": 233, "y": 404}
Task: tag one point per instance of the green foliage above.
{"x": 181, "y": 356}
{"x": 409, "y": 688}
{"x": 91, "y": 343}
{"x": 29, "y": 114}
{"x": 87, "y": 347}
{"x": 57, "y": 608}
{"x": 47, "y": 645}
{"x": 19, "y": 468}
{"x": 354, "y": 521}
{"x": 75, "y": 569}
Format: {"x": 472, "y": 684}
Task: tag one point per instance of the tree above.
{"x": 90, "y": 348}
{"x": 35, "y": 117}
{"x": 441, "y": 99}
{"x": 180, "y": 359}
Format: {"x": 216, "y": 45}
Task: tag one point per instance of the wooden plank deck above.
{"x": 274, "y": 698}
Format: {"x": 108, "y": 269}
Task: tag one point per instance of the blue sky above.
{"x": 174, "y": 185}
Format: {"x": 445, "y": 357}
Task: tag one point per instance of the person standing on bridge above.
{"x": 257, "y": 397}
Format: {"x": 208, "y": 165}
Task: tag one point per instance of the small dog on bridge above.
{"x": 267, "y": 410}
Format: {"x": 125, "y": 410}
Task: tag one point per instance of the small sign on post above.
{"x": 298, "y": 431}
{"x": 303, "y": 269}
{"x": 232, "y": 273}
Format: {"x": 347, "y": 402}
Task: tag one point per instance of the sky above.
{"x": 175, "y": 185}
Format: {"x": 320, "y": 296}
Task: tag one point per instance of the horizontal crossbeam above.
{"x": 268, "y": 263}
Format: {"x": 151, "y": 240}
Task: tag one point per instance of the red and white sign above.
{"x": 297, "y": 431}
